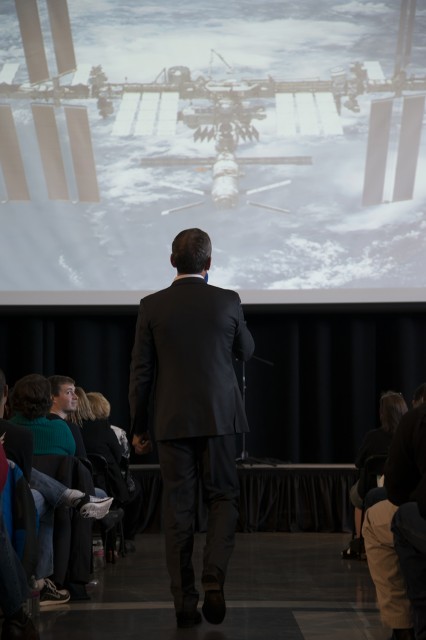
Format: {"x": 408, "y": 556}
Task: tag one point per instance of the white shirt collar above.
{"x": 188, "y": 275}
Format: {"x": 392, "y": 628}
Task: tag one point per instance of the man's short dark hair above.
{"x": 191, "y": 251}
{"x": 31, "y": 396}
{"x": 56, "y": 383}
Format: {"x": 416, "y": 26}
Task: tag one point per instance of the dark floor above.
{"x": 280, "y": 586}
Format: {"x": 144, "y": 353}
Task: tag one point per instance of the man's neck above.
{"x": 59, "y": 413}
{"x": 180, "y": 276}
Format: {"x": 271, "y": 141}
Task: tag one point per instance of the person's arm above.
{"x": 113, "y": 444}
{"x": 142, "y": 443}
{"x": 243, "y": 346}
{"x": 142, "y": 372}
{"x": 401, "y": 473}
{"x": 363, "y": 452}
{"x": 67, "y": 439}
{"x": 80, "y": 449}
{"x": 4, "y": 468}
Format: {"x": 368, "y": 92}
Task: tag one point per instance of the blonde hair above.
{"x": 100, "y": 406}
{"x": 84, "y": 410}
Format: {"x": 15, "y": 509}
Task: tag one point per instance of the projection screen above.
{"x": 292, "y": 132}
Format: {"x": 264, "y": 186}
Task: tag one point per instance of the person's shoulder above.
{"x": 221, "y": 291}
{"x": 14, "y": 428}
{"x": 413, "y": 419}
{"x": 57, "y": 421}
{"x": 377, "y": 432}
{"x": 6, "y": 425}
{"x": 153, "y": 298}
{"x": 415, "y": 415}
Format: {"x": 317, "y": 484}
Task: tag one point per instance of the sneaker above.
{"x": 97, "y": 510}
{"x": 50, "y": 595}
{"x": 96, "y": 499}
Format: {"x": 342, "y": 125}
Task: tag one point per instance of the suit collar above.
{"x": 188, "y": 280}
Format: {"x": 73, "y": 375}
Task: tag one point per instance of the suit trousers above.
{"x": 384, "y": 566}
{"x": 185, "y": 463}
{"x": 409, "y": 529}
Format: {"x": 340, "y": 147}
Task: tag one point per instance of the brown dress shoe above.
{"x": 188, "y": 619}
{"x": 214, "y": 607}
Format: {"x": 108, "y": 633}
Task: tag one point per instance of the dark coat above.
{"x": 376, "y": 442}
{"x": 405, "y": 470}
{"x": 18, "y": 445}
{"x": 186, "y": 338}
{"x": 72, "y": 533}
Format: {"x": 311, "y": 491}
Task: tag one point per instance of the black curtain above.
{"x": 311, "y": 392}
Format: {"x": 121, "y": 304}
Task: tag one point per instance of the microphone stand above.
{"x": 244, "y": 457}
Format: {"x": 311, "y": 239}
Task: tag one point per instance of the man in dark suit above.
{"x": 186, "y": 338}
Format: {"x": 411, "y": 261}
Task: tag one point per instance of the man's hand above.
{"x": 142, "y": 444}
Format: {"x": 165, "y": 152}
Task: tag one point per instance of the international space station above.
{"x": 223, "y": 112}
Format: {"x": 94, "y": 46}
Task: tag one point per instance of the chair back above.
{"x": 108, "y": 477}
{"x": 370, "y": 473}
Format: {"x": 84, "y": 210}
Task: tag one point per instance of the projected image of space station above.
{"x": 293, "y": 133}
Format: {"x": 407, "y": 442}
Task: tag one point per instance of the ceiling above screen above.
{"x": 290, "y": 132}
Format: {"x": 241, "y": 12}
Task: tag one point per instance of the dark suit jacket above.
{"x": 186, "y": 337}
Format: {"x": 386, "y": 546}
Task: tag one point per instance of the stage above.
{"x": 282, "y": 497}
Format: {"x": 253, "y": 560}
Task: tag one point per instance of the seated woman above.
{"x": 102, "y": 438}
{"x": 392, "y": 407}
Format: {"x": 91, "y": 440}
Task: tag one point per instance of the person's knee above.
{"x": 355, "y": 497}
{"x": 408, "y": 514}
{"x": 374, "y": 496}
{"x": 409, "y": 527}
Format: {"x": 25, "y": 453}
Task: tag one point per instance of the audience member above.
{"x": 392, "y": 407}
{"x": 404, "y": 481}
{"x": 419, "y": 395}
{"x": 101, "y": 410}
{"x": 19, "y": 447}
{"x": 100, "y": 439}
{"x": 83, "y": 411}
{"x": 31, "y": 400}
{"x": 48, "y": 494}
{"x": 409, "y": 529}
{"x": 64, "y": 404}
{"x": 394, "y": 606}
{"x": 14, "y": 591}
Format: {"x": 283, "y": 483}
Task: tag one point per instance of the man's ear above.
{"x": 172, "y": 261}
{"x": 208, "y": 264}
